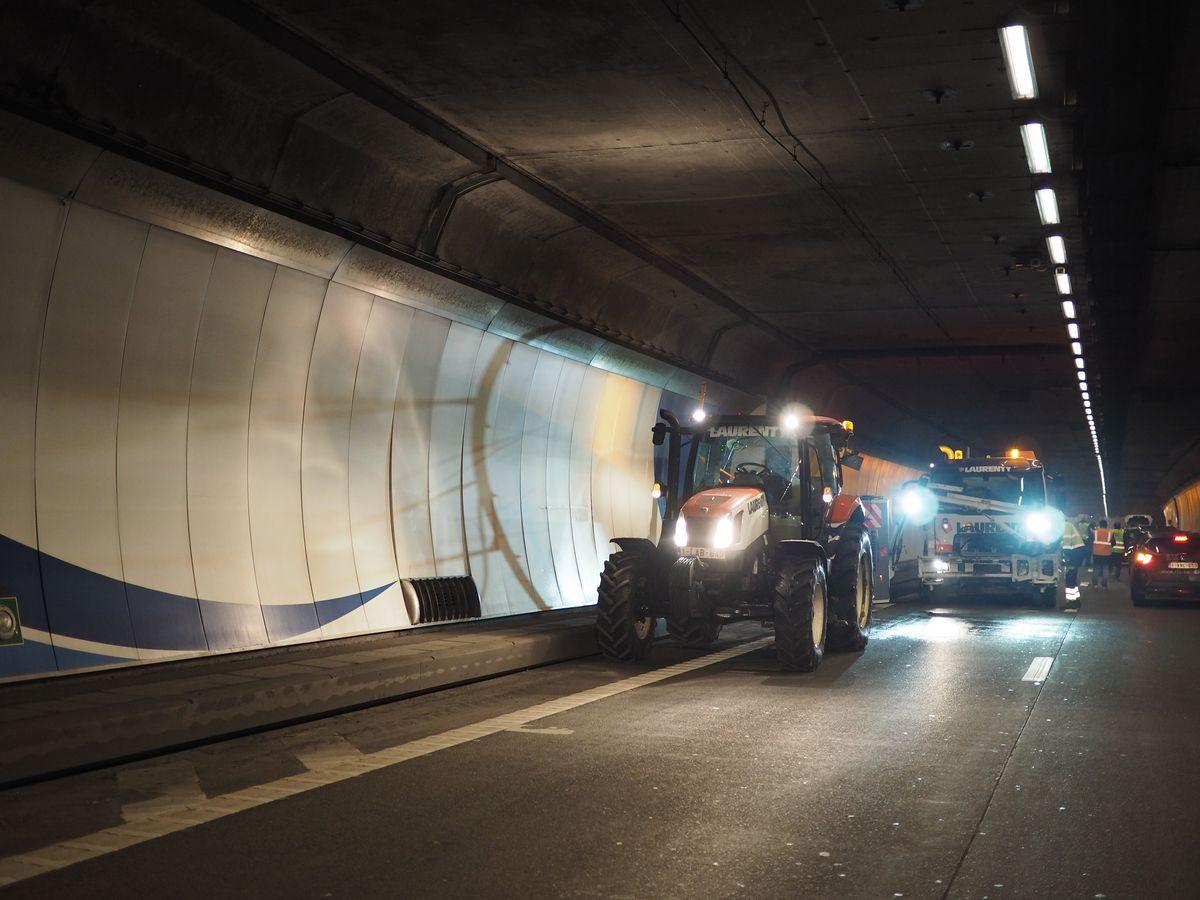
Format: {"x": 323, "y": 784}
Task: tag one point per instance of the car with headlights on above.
{"x": 1166, "y": 566}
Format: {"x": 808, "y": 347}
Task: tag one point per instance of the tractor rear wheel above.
{"x": 851, "y": 583}
{"x": 906, "y": 584}
{"x": 692, "y": 631}
{"x": 801, "y": 614}
{"x": 624, "y": 627}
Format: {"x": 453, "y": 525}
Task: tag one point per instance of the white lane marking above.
{"x": 559, "y": 731}
{"x": 78, "y": 849}
{"x": 1038, "y": 669}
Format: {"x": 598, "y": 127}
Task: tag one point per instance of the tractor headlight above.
{"x": 681, "y": 535}
{"x": 723, "y": 535}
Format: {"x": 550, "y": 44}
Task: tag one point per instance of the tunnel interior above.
{"x": 306, "y": 301}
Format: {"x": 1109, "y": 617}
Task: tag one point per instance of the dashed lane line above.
{"x": 1038, "y": 669}
{"x": 332, "y": 768}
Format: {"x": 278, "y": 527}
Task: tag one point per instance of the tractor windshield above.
{"x": 750, "y": 456}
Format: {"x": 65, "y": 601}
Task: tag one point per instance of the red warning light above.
{"x": 1180, "y": 538}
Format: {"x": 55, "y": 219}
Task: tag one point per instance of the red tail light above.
{"x": 1180, "y": 538}
{"x": 1143, "y": 558}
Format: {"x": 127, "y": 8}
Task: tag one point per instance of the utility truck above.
{"x": 979, "y": 526}
{"x": 756, "y": 526}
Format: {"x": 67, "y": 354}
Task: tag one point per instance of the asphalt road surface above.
{"x": 934, "y": 764}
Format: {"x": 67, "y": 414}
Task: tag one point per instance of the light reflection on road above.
{"x": 938, "y": 626}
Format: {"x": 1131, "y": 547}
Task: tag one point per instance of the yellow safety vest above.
{"x": 1072, "y": 539}
{"x": 1102, "y": 542}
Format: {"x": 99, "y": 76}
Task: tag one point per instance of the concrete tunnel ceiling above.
{"x": 825, "y": 201}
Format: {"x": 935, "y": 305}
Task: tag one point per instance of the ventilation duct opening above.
{"x": 433, "y": 600}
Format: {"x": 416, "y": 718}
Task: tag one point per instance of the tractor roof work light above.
{"x": 1047, "y": 204}
{"x": 1037, "y": 151}
{"x": 698, "y": 414}
{"x": 1018, "y": 59}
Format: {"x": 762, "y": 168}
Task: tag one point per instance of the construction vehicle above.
{"x": 755, "y": 526}
{"x": 979, "y": 526}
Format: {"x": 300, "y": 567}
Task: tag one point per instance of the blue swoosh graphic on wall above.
{"x": 92, "y": 607}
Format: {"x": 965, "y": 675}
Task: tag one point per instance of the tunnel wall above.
{"x": 878, "y": 477}
{"x": 1182, "y": 510}
{"x": 206, "y": 450}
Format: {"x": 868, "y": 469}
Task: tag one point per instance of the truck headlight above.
{"x": 1044, "y": 526}
{"x": 723, "y": 536}
{"x": 919, "y": 504}
{"x": 940, "y": 565}
{"x": 681, "y": 534}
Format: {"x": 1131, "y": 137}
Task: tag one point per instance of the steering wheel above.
{"x": 751, "y": 468}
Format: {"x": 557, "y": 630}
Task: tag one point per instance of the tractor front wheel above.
{"x": 851, "y": 586}
{"x": 624, "y": 626}
{"x": 801, "y": 613}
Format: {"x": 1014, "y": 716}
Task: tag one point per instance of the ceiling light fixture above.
{"x": 1079, "y": 362}
{"x": 1014, "y": 41}
{"x": 1037, "y": 151}
{"x": 1047, "y": 204}
{"x": 1062, "y": 280}
{"x": 1077, "y": 348}
{"x": 1068, "y": 308}
{"x": 1073, "y": 330}
{"x": 1058, "y": 249}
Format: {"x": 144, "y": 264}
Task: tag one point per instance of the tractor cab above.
{"x": 793, "y": 464}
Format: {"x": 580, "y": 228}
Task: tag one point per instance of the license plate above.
{"x": 1183, "y": 565}
{"x": 703, "y": 553}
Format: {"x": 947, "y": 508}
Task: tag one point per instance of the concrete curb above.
{"x": 99, "y": 719}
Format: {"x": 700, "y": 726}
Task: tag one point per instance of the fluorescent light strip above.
{"x": 1014, "y": 41}
{"x": 1058, "y": 249}
{"x": 1037, "y": 151}
{"x": 1062, "y": 281}
{"x": 1068, "y": 308}
{"x": 1073, "y": 331}
{"x": 1083, "y": 386}
{"x": 1077, "y": 348}
{"x": 1079, "y": 362}
{"x": 1047, "y": 204}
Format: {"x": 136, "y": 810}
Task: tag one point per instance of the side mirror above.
{"x": 852, "y": 461}
{"x": 660, "y": 433}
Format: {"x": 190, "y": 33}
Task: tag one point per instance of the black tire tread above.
{"x": 694, "y": 632}
{"x": 844, "y": 634}
{"x": 614, "y": 608}
{"x": 795, "y": 589}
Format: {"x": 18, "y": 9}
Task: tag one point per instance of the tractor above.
{"x": 755, "y": 526}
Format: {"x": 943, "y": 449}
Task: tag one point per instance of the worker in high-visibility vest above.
{"x": 1118, "y": 550}
{"x": 1101, "y": 553}
{"x": 1074, "y": 550}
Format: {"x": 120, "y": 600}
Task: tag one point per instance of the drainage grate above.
{"x": 442, "y": 599}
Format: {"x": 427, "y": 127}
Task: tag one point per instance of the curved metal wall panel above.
{"x": 276, "y": 424}
{"x": 448, "y": 419}
{"x": 583, "y": 461}
{"x": 78, "y": 391}
{"x": 535, "y": 481}
{"x": 30, "y": 231}
{"x": 558, "y": 482}
{"x": 412, "y": 424}
{"x": 325, "y": 450}
{"x": 481, "y": 445}
{"x": 218, "y": 433}
{"x": 384, "y": 347}
{"x": 503, "y": 469}
{"x": 152, "y": 438}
